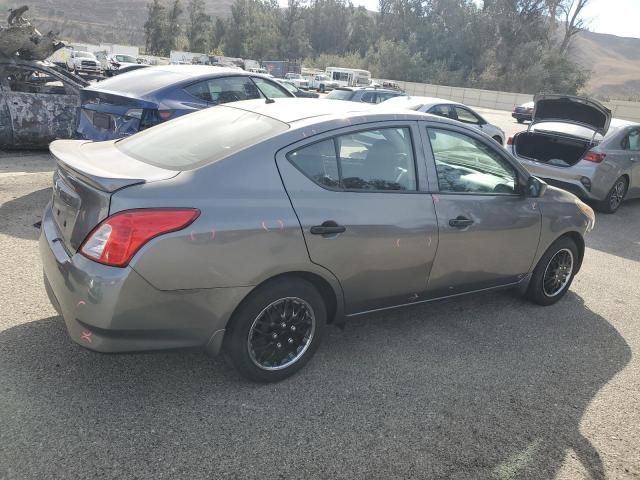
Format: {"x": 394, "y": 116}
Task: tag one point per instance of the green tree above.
{"x": 198, "y": 27}
{"x": 154, "y": 28}
{"x": 174, "y": 28}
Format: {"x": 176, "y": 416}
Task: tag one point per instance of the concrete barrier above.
{"x": 503, "y": 100}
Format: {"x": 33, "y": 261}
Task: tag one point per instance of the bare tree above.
{"x": 571, "y": 11}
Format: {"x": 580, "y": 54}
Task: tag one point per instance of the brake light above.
{"x": 164, "y": 114}
{"x": 596, "y": 157}
{"x": 510, "y": 141}
{"x": 117, "y": 238}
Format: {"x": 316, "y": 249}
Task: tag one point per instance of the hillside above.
{"x": 94, "y": 21}
{"x": 614, "y": 63}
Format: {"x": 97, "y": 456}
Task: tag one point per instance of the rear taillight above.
{"x": 595, "y": 157}
{"x": 117, "y": 239}
{"x": 164, "y": 114}
{"x": 510, "y": 141}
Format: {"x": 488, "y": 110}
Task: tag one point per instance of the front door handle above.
{"x": 460, "y": 222}
{"x": 328, "y": 228}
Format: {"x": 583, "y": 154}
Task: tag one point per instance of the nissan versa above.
{"x": 246, "y": 228}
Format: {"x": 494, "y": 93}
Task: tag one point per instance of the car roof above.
{"x": 148, "y": 80}
{"x": 314, "y": 110}
{"x": 415, "y": 102}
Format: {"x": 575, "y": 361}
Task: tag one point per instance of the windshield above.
{"x": 126, "y": 59}
{"x": 340, "y": 94}
{"x": 200, "y": 138}
{"x": 289, "y": 87}
{"x": 85, "y": 55}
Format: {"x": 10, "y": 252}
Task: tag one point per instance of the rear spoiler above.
{"x": 102, "y": 166}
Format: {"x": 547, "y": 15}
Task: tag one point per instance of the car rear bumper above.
{"x": 521, "y": 116}
{"x": 110, "y": 309}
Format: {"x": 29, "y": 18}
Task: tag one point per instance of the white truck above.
{"x": 297, "y": 80}
{"x": 322, "y": 83}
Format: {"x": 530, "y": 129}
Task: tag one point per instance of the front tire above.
{"x": 498, "y": 139}
{"x": 520, "y": 120}
{"x": 321, "y": 89}
{"x": 615, "y": 196}
{"x": 276, "y": 330}
{"x": 554, "y": 273}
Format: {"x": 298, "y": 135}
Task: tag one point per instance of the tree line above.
{"x": 510, "y": 45}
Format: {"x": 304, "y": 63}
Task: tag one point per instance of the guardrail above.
{"x": 503, "y": 100}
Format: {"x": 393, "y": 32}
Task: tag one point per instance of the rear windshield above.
{"x": 200, "y": 138}
{"x": 341, "y": 95}
{"x": 139, "y": 82}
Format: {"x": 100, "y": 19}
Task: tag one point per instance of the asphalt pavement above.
{"x": 486, "y": 386}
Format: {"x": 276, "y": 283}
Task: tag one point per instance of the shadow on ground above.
{"x": 17, "y": 216}
{"x": 618, "y": 233}
{"x": 484, "y": 387}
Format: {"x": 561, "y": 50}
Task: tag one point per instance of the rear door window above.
{"x": 369, "y": 97}
{"x": 371, "y": 160}
{"x": 318, "y": 161}
{"x": 441, "y": 111}
{"x": 270, "y": 89}
{"x": 466, "y": 116}
{"x": 224, "y": 90}
{"x": 632, "y": 142}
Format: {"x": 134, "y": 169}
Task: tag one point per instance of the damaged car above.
{"x": 39, "y": 103}
{"x": 574, "y": 144}
{"x": 125, "y": 104}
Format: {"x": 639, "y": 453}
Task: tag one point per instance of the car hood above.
{"x": 576, "y": 110}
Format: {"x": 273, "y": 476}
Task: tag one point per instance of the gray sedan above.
{"x": 247, "y": 228}
{"x": 574, "y": 143}
{"x": 447, "y": 109}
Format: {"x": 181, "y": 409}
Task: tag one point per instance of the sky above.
{"x": 617, "y": 17}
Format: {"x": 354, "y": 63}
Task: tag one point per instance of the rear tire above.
{"x": 321, "y": 89}
{"x": 276, "y": 330}
{"x": 615, "y": 197}
{"x": 554, "y": 272}
{"x": 520, "y": 120}
{"x": 498, "y": 139}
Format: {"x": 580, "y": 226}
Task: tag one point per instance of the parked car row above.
{"x": 571, "y": 143}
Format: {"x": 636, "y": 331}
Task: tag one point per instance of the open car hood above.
{"x": 576, "y": 110}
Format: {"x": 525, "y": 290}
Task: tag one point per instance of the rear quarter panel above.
{"x": 247, "y": 231}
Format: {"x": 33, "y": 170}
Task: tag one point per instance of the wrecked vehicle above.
{"x": 22, "y": 40}
{"x": 39, "y": 103}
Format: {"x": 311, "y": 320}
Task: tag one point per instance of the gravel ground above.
{"x": 481, "y": 387}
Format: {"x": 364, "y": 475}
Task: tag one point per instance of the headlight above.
{"x": 588, "y": 212}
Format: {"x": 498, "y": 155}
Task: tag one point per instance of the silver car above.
{"x": 574, "y": 144}
{"x": 246, "y": 228}
{"x": 447, "y": 109}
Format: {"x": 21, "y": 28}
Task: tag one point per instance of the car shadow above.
{"x": 481, "y": 387}
{"x": 618, "y": 233}
{"x": 19, "y": 217}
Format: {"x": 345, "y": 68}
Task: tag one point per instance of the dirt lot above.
{"x": 482, "y": 387}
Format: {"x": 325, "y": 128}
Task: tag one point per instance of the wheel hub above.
{"x": 558, "y": 273}
{"x": 281, "y": 333}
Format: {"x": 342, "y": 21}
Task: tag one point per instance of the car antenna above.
{"x": 268, "y": 100}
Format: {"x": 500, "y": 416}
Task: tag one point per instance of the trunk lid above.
{"x": 581, "y": 111}
{"x": 87, "y": 175}
{"x": 105, "y": 115}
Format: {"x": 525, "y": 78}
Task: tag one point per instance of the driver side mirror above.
{"x": 535, "y": 187}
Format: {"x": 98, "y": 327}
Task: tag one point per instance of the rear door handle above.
{"x": 328, "y": 228}
{"x": 460, "y": 222}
